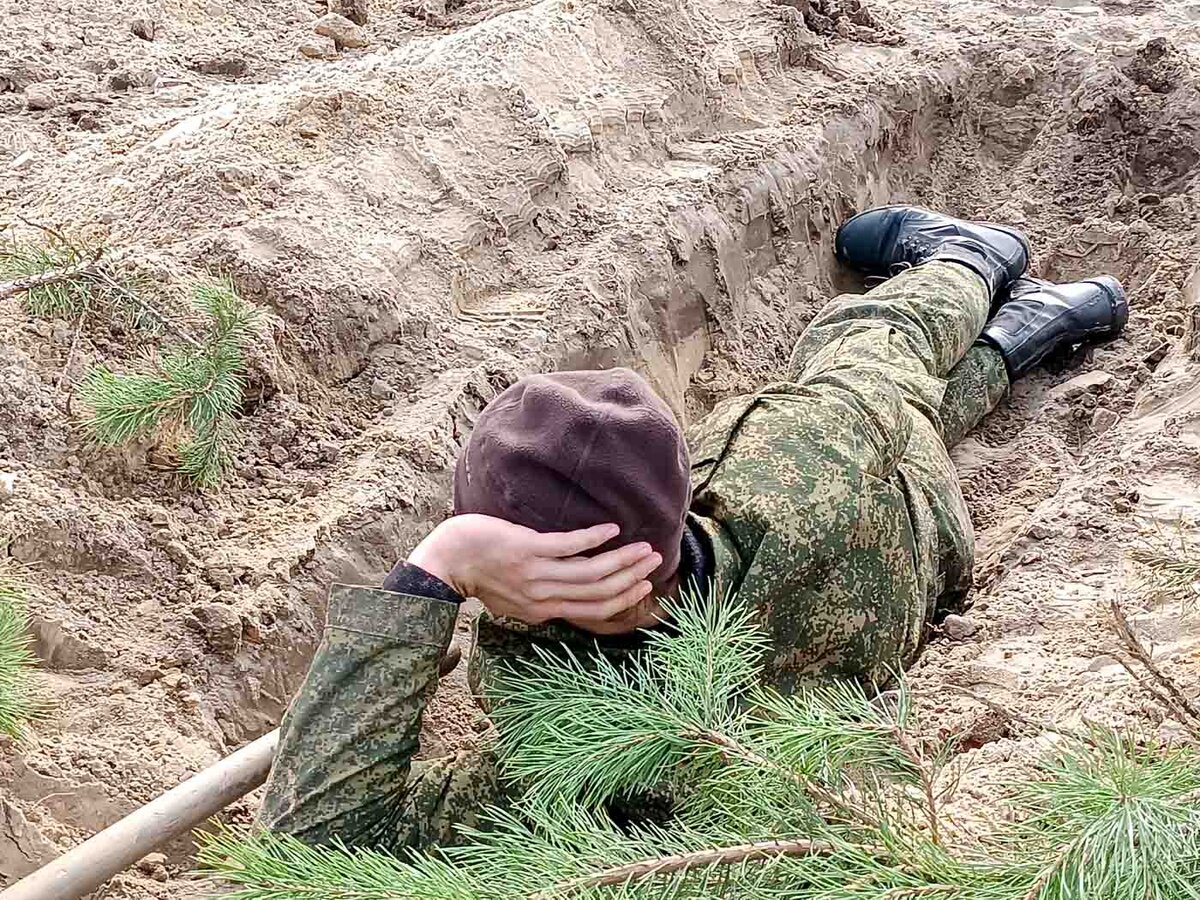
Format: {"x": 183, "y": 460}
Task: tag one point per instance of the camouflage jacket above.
{"x": 808, "y": 515}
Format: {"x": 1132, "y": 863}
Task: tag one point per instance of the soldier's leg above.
{"x": 973, "y": 388}
{"x": 1036, "y": 319}
{"x": 919, "y": 330}
{"x": 935, "y": 498}
{"x": 913, "y": 329}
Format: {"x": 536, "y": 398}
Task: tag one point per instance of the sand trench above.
{"x": 500, "y": 188}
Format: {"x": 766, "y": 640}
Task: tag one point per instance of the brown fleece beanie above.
{"x": 575, "y": 449}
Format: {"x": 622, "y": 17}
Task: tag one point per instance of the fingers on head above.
{"x": 609, "y": 587}
{"x": 584, "y": 570}
{"x": 570, "y": 543}
{"x": 601, "y": 610}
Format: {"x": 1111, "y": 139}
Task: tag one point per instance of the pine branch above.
{"x": 1116, "y": 819}
{"x": 1185, "y": 709}
{"x": 53, "y": 281}
{"x": 195, "y": 390}
{"x": 48, "y": 279}
{"x": 914, "y": 756}
{"x": 54, "y": 234}
{"x": 1110, "y": 819}
{"x": 1050, "y": 872}
{"x": 829, "y": 730}
{"x": 127, "y": 407}
{"x": 209, "y": 453}
{"x": 586, "y": 728}
{"x": 667, "y": 865}
{"x": 265, "y": 866}
{"x": 1170, "y": 566}
{"x": 1173, "y": 573}
{"x": 139, "y": 299}
{"x": 817, "y": 792}
{"x": 19, "y": 700}
{"x": 62, "y": 376}
{"x": 65, "y": 279}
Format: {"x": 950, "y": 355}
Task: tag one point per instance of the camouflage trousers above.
{"x": 934, "y": 314}
{"x": 918, "y": 333}
{"x": 905, "y": 356}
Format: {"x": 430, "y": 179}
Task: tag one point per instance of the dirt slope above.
{"x": 497, "y": 188}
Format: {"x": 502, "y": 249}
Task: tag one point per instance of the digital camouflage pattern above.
{"x": 836, "y": 487}
{"x": 831, "y": 505}
{"x": 344, "y": 765}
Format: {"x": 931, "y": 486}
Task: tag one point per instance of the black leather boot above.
{"x": 1040, "y": 317}
{"x": 888, "y": 239}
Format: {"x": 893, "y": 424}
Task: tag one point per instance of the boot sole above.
{"x": 1011, "y": 232}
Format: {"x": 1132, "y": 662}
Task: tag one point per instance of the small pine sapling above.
{"x": 825, "y": 794}
{"x": 1116, "y": 819}
{"x": 191, "y": 394}
{"x": 19, "y": 702}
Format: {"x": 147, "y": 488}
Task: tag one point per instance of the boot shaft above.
{"x": 1041, "y": 318}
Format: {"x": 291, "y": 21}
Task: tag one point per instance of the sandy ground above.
{"x": 491, "y": 189}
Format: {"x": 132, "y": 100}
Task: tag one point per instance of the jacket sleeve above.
{"x": 347, "y": 741}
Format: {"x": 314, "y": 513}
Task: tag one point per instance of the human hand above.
{"x": 537, "y": 576}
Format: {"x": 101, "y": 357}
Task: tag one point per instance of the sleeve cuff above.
{"x": 407, "y": 618}
{"x": 406, "y": 578}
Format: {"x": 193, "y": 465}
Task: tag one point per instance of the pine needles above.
{"x": 191, "y": 392}
{"x": 1159, "y": 684}
{"x": 188, "y": 395}
{"x": 1168, "y": 564}
{"x": 18, "y": 696}
{"x": 1173, "y": 573}
{"x": 823, "y": 796}
{"x": 1119, "y": 821}
{"x": 640, "y": 724}
{"x": 54, "y": 280}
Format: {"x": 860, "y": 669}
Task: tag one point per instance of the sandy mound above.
{"x": 497, "y": 188}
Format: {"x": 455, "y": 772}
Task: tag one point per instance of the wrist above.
{"x": 439, "y": 555}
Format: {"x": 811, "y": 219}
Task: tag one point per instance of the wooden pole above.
{"x": 83, "y": 869}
